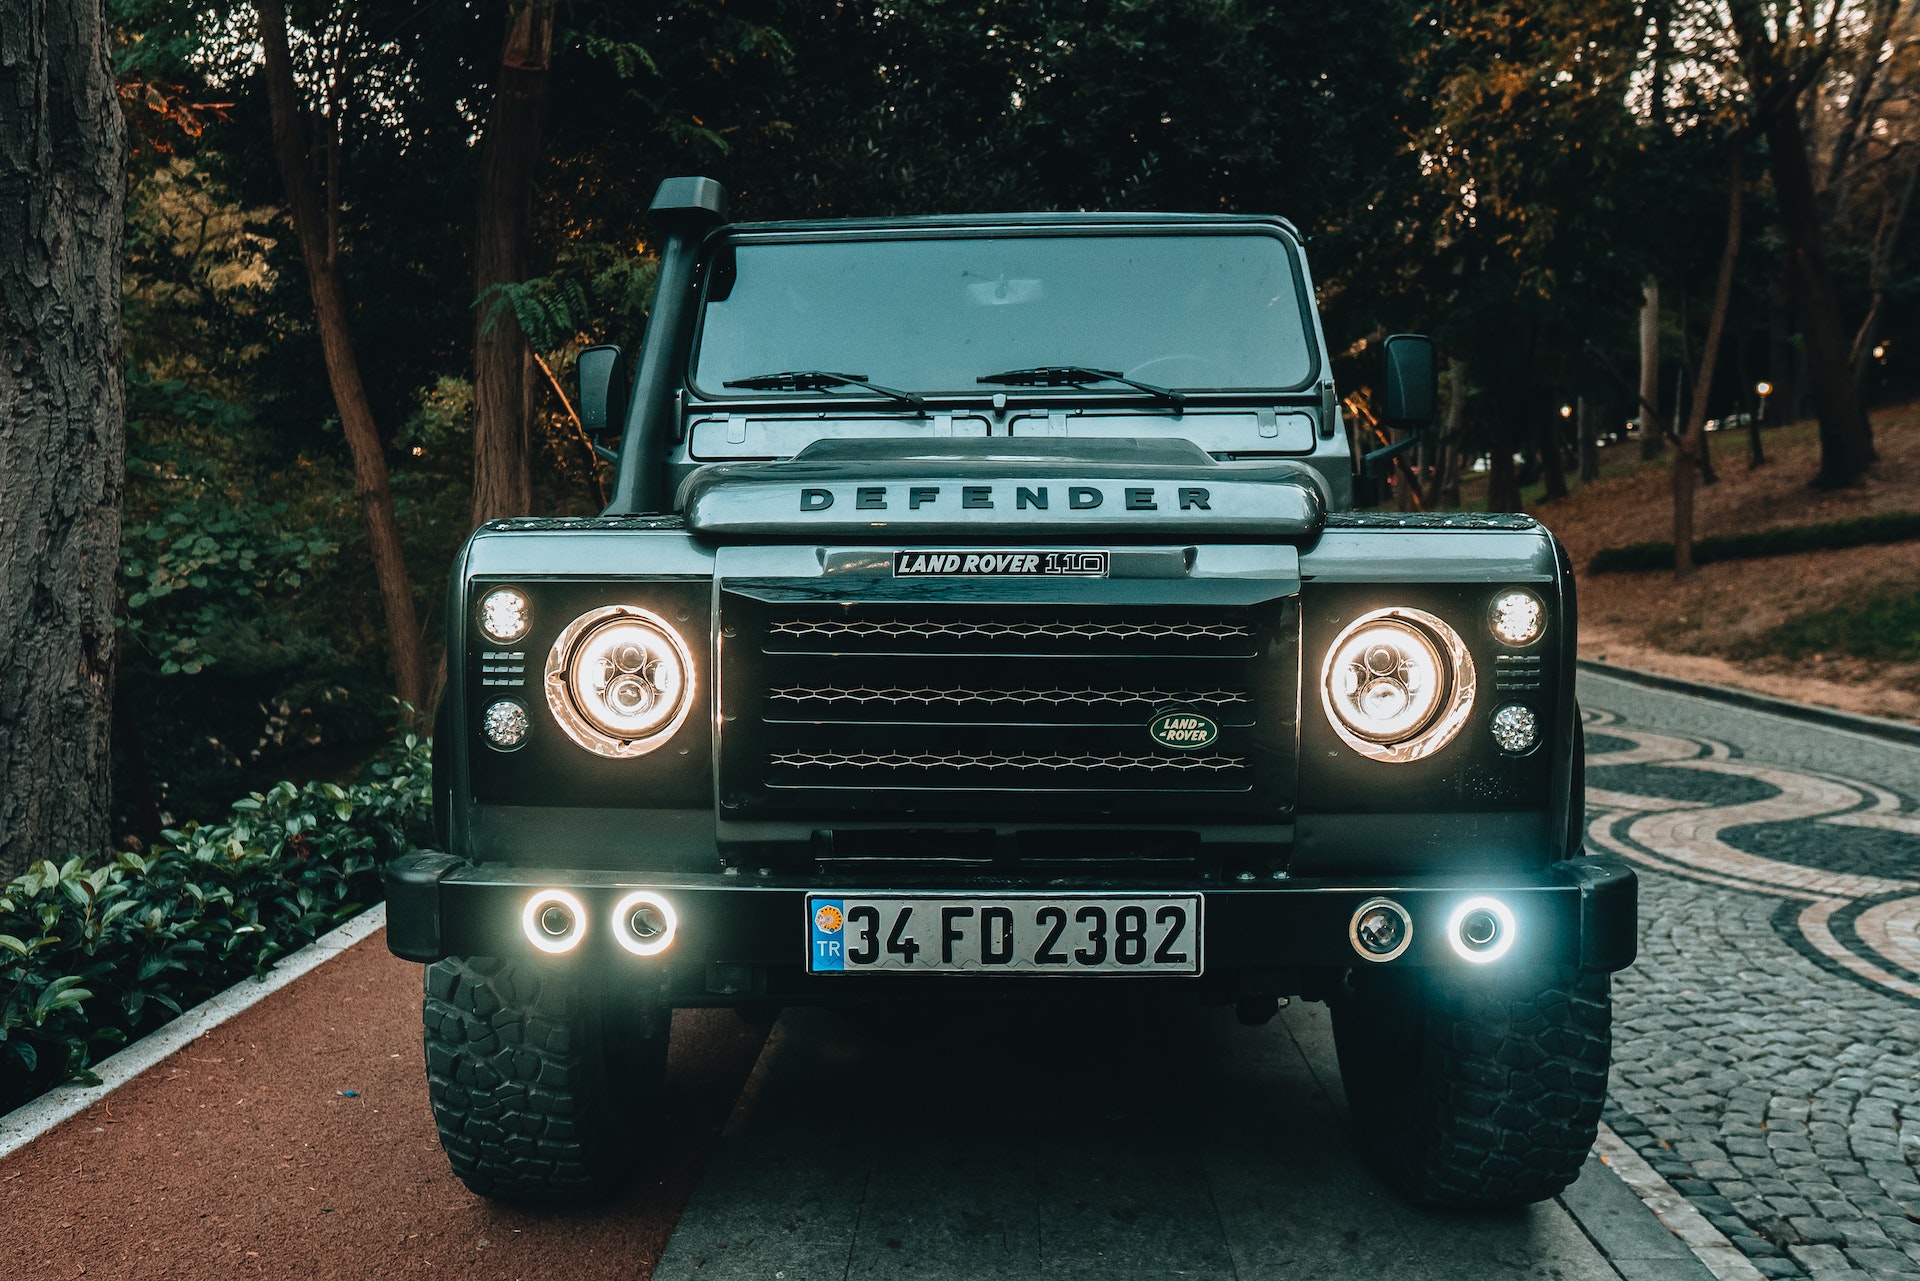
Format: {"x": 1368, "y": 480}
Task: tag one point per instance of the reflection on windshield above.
{"x": 1193, "y": 312}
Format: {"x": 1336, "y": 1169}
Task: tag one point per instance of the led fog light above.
{"x": 1481, "y": 930}
{"x": 504, "y": 614}
{"x": 1380, "y": 929}
{"x": 505, "y": 724}
{"x": 645, "y": 923}
{"x": 1517, "y": 617}
{"x": 554, "y": 921}
{"x": 1515, "y": 729}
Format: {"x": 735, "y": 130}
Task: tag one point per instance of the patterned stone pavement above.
{"x": 1767, "y": 1055}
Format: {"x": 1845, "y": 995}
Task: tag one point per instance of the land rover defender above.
{"x": 982, "y": 613}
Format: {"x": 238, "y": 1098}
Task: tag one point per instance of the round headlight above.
{"x": 503, "y": 614}
{"x": 619, "y": 681}
{"x": 1397, "y": 684}
{"x": 1517, "y": 617}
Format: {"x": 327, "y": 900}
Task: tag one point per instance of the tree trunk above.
{"x": 1690, "y": 445}
{"x": 1445, "y": 488}
{"x": 1892, "y": 218}
{"x": 503, "y": 382}
{"x": 1879, "y": 21}
{"x": 1650, "y": 433}
{"x": 320, "y": 247}
{"x": 62, "y": 430}
{"x": 1846, "y": 436}
{"x": 1553, "y": 468}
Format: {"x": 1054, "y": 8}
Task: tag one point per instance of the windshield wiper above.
{"x": 1079, "y": 376}
{"x": 820, "y": 380}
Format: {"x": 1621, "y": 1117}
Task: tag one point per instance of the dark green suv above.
{"x": 982, "y": 613}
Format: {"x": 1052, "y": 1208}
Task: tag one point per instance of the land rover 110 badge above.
{"x": 996, "y": 564}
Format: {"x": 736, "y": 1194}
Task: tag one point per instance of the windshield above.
{"x": 925, "y": 314}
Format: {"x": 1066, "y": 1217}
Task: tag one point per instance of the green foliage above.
{"x": 1883, "y": 626}
{"x": 1784, "y": 540}
{"x": 605, "y": 293}
{"x": 102, "y": 949}
{"x": 188, "y": 571}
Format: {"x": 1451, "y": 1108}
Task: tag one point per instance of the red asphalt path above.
{"x": 242, "y": 1155}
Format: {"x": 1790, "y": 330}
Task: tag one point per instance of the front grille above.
{"x": 986, "y": 710}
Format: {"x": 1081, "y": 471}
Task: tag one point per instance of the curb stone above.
{"x": 31, "y": 1120}
{"x": 1720, "y": 1256}
{"x": 1832, "y": 718}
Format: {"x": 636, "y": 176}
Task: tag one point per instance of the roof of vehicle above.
{"x": 996, "y": 221}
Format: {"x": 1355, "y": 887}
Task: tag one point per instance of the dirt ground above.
{"x": 1696, "y": 628}
{"x": 244, "y": 1156}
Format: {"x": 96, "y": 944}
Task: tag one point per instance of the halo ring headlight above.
{"x": 547, "y": 909}
{"x": 1397, "y": 684}
{"x": 629, "y": 938}
{"x": 620, "y": 681}
{"x": 1479, "y": 912}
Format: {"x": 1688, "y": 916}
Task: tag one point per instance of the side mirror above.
{"x": 603, "y": 389}
{"x": 1408, "y": 392}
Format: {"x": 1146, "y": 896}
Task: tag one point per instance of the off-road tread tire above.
{"x": 1477, "y": 1092}
{"x": 518, "y": 1077}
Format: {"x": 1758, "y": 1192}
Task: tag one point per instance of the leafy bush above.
{"x": 102, "y": 949}
{"x": 1888, "y": 527}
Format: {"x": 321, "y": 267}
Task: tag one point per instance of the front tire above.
{"x": 522, "y": 1062}
{"x": 1479, "y": 1091}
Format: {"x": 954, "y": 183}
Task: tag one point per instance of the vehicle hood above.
{"x": 1002, "y": 488}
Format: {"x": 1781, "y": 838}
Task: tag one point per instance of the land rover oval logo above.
{"x": 1183, "y": 731}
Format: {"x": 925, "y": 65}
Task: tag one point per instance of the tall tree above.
{"x": 503, "y": 382}
{"x": 1846, "y": 434}
{"x": 62, "y": 434}
{"x": 1689, "y": 446}
{"x": 1782, "y": 61}
{"x": 317, "y": 224}
{"x": 1651, "y": 436}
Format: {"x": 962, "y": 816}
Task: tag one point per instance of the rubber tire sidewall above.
{"x": 540, "y": 1091}
{"x": 1475, "y": 1090}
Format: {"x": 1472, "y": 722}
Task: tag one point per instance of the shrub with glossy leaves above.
{"x": 103, "y": 949}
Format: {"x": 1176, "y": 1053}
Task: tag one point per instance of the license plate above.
{"x": 1011, "y": 934}
{"x": 999, "y": 564}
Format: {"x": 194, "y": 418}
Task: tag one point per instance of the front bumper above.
{"x": 742, "y": 938}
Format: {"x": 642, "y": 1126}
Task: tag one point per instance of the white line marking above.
{"x": 31, "y": 1120}
{"x": 1721, "y": 1256}
{"x": 1813, "y": 924}
{"x": 1908, "y": 823}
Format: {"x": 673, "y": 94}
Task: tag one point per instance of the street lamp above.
{"x": 1765, "y": 389}
{"x": 1566, "y": 411}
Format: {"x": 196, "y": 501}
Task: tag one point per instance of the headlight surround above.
{"x": 620, "y": 681}
{"x": 1397, "y": 684}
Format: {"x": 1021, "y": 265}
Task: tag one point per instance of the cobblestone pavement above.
{"x": 1767, "y": 1053}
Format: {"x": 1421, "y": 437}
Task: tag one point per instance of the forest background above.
{"x": 364, "y": 242}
